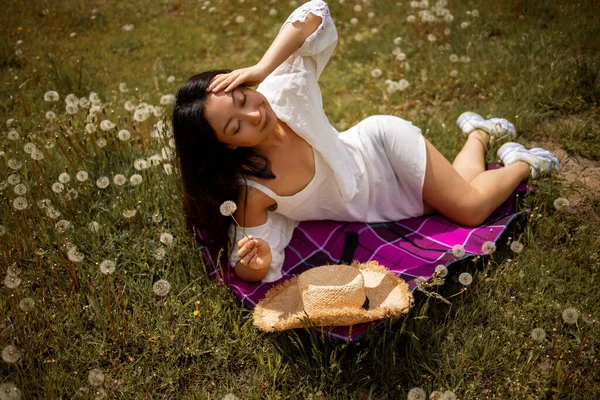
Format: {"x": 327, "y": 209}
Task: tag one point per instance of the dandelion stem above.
{"x": 243, "y": 231}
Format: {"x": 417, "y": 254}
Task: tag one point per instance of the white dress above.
{"x": 373, "y": 172}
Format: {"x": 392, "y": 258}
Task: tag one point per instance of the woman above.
{"x": 273, "y": 151}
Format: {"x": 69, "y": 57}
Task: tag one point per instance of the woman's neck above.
{"x": 278, "y": 137}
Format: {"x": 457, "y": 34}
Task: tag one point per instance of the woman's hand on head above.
{"x": 254, "y": 253}
{"x": 250, "y": 76}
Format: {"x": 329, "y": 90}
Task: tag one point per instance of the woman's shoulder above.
{"x": 253, "y": 204}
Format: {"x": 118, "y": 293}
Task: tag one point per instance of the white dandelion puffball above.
{"x": 124, "y": 135}
{"x": 154, "y": 159}
{"x": 94, "y": 226}
{"x": 129, "y": 213}
{"x": 71, "y": 109}
{"x": 171, "y": 79}
{"x": 43, "y": 203}
{"x": 90, "y": 127}
{"x": 458, "y": 250}
{"x": 50, "y": 115}
{"x": 64, "y": 178}
{"x": 538, "y": 334}
{"x": 51, "y": 95}
{"x": 166, "y": 238}
{"x": 435, "y": 395}
{"x": 71, "y": 99}
{"x": 11, "y": 354}
{"x": 167, "y": 99}
{"x": 127, "y": 27}
{"x": 441, "y": 271}
{"x": 13, "y": 134}
{"x": 140, "y": 115}
{"x": 2, "y": 230}
{"x": 453, "y": 58}
{"x": 465, "y": 278}
{"x": 168, "y": 168}
{"x": 354, "y": 21}
{"x": 107, "y": 267}
{"x": 96, "y": 377}
{"x": 156, "y": 217}
{"x": 135, "y": 179}
{"x": 106, "y": 125}
{"x": 570, "y": 315}
{"x": 411, "y": 19}
{"x": 52, "y": 212}
{"x": 9, "y": 391}
{"x": 448, "y": 395}
{"x": 240, "y": 19}
{"x": 63, "y": 225}
{"x": 29, "y": 147}
{"x": 123, "y": 87}
{"x": 454, "y": 73}
{"x": 13, "y": 179}
{"x": 488, "y": 247}
{"x": 358, "y": 8}
{"x": 74, "y": 255}
{"x": 119, "y": 179}
{"x": 167, "y": 153}
{"x": 12, "y": 281}
{"x": 20, "y": 203}
{"x": 228, "y": 208}
{"x": 84, "y": 102}
{"x": 158, "y": 111}
{"x": 58, "y": 187}
{"x": 102, "y": 182}
{"x": 101, "y": 142}
{"x": 140, "y": 164}
{"x": 20, "y": 189}
{"x": 160, "y": 253}
{"x": 129, "y": 105}
{"x": 37, "y": 155}
{"x": 561, "y": 204}
{"x": 416, "y": 394}
{"x": 27, "y": 304}
{"x": 516, "y": 246}
{"x": 376, "y": 73}
{"x": 14, "y": 164}
{"x": 81, "y": 176}
{"x": 161, "y": 287}
{"x": 13, "y": 270}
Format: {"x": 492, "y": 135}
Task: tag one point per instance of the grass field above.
{"x": 69, "y": 330}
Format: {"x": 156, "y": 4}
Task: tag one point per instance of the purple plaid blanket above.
{"x": 411, "y": 248}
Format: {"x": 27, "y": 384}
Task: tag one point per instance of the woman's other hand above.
{"x": 250, "y": 76}
{"x": 254, "y": 253}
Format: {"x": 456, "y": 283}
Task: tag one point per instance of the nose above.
{"x": 254, "y": 116}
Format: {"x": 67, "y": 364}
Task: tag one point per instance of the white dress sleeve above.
{"x": 277, "y": 232}
{"x": 320, "y": 44}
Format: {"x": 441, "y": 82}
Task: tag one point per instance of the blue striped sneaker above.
{"x": 497, "y": 128}
{"x": 542, "y": 162}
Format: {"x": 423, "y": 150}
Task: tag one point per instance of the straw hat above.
{"x": 333, "y": 295}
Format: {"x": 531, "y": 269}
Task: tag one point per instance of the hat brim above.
{"x": 281, "y": 309}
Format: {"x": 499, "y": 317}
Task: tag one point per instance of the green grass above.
{"x": 535, "y": 62}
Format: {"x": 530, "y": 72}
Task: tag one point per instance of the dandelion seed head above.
{"x": 2, "y": 230}
{"x": 157, "y": 217}
{"x": 107, "y": 267}
{"x": 411, "y": 19}
{"x": 167, "y": 99}
{"x": 416, "y": 393}
{"x": 448, "y": 395}
{"x": 64, "y": 178}
{"x": 123, "y": 87}
{"x": 570, "y": 315}
{"x": 516, "y": 246}
{"x": 27, "y": 304}
{"x": 63, "y": 225}
{"x": 465, "y": 278}
{"x": 14, "y": 164}
{"x": 435, "y": 395}
{"x": 74, "y": 255}
{"x": 160, "y": 253}
{"x": 129, "y": 213}
{"x": 102, "y": 182}
{"x": 20, "y": 189}
{"x": 96, "y": 377}
{"x": 240, "y": 19}
{"x": 12, "y": 281}
{"x": 52, "y": 212}
{"x": 228, "y": 208}
{"x": 161, "y": 287}
{"x": 453, "y": 58}
{"x": 561, "y": 204}
{"x": 13, "y": 134}
{"x": 84, "y": 103}
{"x": 140, "y": 164}
{"x": 107, "y": 125}
{"x": 29, "y": 147}
{"x": 441, "y": 271}
{"x": 71, "y": 99}
{"x": 140, "y": 115}
{"x": 119, "y": 179}
{"x": 13, "y": 269}
{"x": 135, "y": 179}
{"x": 13, "y": 179}
{"x": 458, "y": 250}
{"x": 166, "y": 238}
{"x": 127, "y": 27}
{"x": 8, "y": 391}
{"x": 90, "y": 127}
{"x": 20, "y": 203}
{"x": 81, "y": 176}
{"x": 376, "y": 73}
{"x": 11, "y": 354}
{"x": 171, "y": 78}
{"x": 71, "y": 109}
{"x": 538, "y": 334}
{"x": 454, "y": 73}
{"x": 101, "y": 142}
{"x": 51, "y": 96}
{"x": 168, "y": 168}
{"x": 124, "y": 135}
{"x": 230, "y": 396}
{"x": 129, "y": 105}
{"x": 431, "y": 37}
{"x": 50, "y": 115}
{"x": 488, "y": 247}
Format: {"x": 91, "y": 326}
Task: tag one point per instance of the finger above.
{"x": 216, "y": 80}
{"x": 244, "y": 240}
{"x": 246, "y": 259}
{"x": 234, "y": 84}
{"x": 223, "y": 81}
{"x": 248, "y": 247}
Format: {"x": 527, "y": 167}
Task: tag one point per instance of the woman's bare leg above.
{"x": 468, "y": 203}
{"x": 470, "y": 161}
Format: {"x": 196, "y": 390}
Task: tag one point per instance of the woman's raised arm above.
{"x": 289, "y": 39}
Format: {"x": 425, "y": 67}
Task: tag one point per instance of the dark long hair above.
{"x": 211, "y": 171}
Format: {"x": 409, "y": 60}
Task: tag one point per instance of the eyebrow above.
{"x": 229, "y": 120}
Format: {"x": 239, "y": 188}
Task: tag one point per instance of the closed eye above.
{"x": 239, "y": 123}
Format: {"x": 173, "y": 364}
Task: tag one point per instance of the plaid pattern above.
{"x": 411, "y": 248}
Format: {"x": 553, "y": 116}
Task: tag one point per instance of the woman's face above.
{"x": 242, "y": 117}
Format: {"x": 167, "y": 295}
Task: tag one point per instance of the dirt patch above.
{"x": 580, "y": 174}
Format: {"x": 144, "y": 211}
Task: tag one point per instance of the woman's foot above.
{"x": 542, "y": 161}
{"x": 497, "y": 128}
